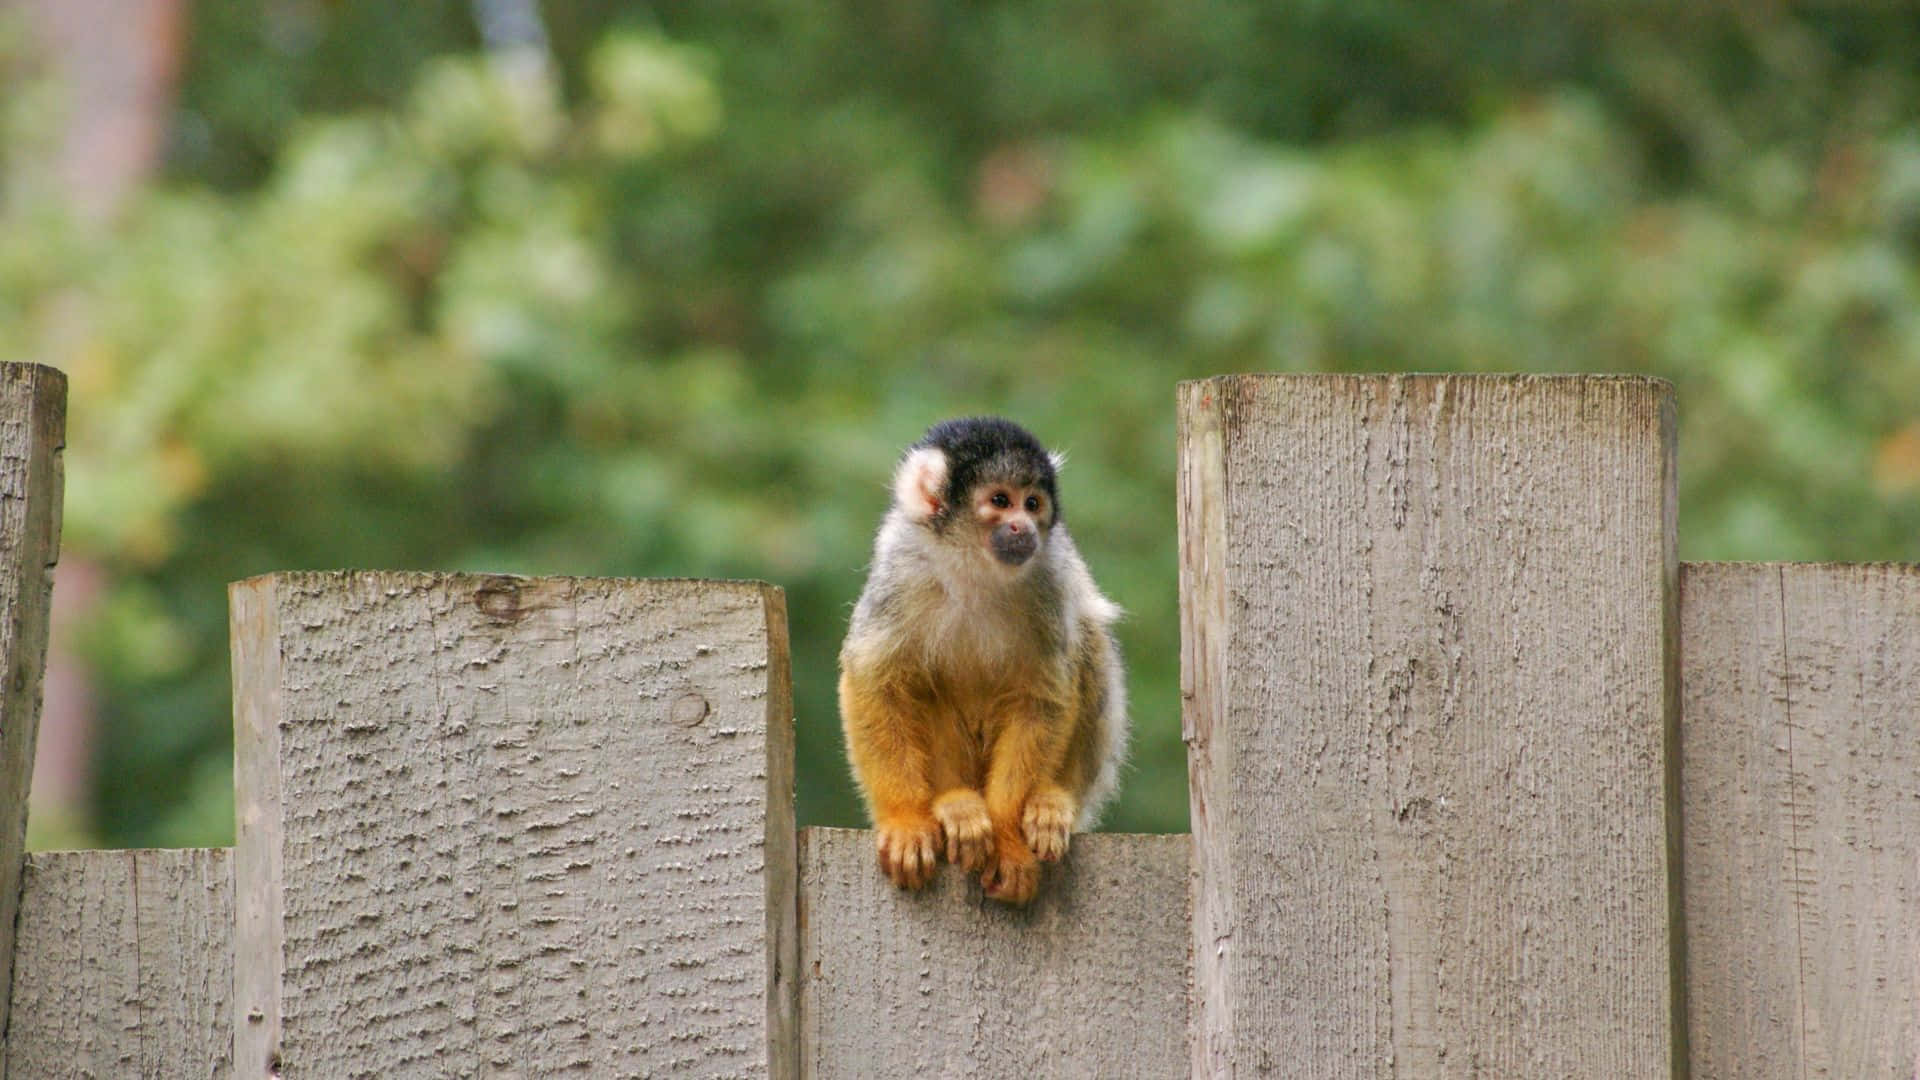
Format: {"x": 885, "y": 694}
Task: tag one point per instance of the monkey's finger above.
{"x": 907, "y": 873}
{"x": 903, "y": 863}
{"x": 929, "y": 857}
{"x": 892, "y": 859}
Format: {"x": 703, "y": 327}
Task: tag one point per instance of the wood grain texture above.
{"x": 1090, "y": 980}
{"x": 125, "y": 966}
{"x": 526, "y": 826}
{"x": 1429, "y": 631}
{"x": 1801, "y": 788}
{"x": 33, "y": 424}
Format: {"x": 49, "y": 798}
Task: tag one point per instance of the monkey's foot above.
{"x": 909, "y": 849}
{"x": 1012, "y": 874}
{"x": 963, "y": 816}
{"x": 1047, "y": 823}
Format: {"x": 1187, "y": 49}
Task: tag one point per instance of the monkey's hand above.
{"x": 1012, "y": 874}
{"x": 909, "y": 848}
{"x": 1047, "y": 823}
{"x": 963, "y": 816}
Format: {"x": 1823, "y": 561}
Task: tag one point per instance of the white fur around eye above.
{"x": 920, "y": 483}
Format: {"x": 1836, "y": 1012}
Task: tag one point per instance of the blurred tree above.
{"x": 111, "y": 69}
{"x": 676, "y": 312}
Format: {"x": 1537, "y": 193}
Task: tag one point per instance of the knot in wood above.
{"x": 499, "y": 599}
{"x": 689, "y": 709}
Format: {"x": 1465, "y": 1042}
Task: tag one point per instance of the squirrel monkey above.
{"x": 981, "y": 690}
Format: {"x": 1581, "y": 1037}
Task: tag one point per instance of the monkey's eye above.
{"x": 1033, "y": 505}
{"x": 1000, "y": 500}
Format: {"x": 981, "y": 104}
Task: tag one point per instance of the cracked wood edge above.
{"x": 33, "y": 403}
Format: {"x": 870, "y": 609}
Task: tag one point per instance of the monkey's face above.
{"x": 1011, "y": 520}
{"x": 982, "y": 487}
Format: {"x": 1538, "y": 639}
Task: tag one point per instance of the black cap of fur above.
{"x": 986, "y": 448}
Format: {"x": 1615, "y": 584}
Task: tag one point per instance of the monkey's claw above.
{"x": 963, "y": 816}
{"x": 909, "y": 850}
{"x": 1012, "y": 874}
{"x": 1047, "y": 824}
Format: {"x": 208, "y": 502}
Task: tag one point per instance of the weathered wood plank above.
{"x": 33, "y": 424}
{"x": 1801, "y": 789}
{"x": 1090, "y": 980}
{"x": 1429, "y": 635}
{"x": 124, "y": 966}
{"x": 493, "y": 825}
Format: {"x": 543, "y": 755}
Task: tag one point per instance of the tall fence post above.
{"x": 497, "y": 825}
{"x": 1430, "y": 675}
{"x": 33, "y": 424}
{"x": 1801, "y": 790}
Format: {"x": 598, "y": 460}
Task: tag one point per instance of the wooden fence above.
{"x": 1484, "y": 784}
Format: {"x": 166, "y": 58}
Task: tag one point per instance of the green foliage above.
{"x": 676, "y": 314}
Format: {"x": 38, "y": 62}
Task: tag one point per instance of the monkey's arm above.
{"x": 889, "y": 747}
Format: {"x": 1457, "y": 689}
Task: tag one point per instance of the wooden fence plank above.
{"x": 125, "y": 965}
{"x": 1090, "y": 980}
{"x": 501, "y": 825}
{"x": 1801, "y": 788}
{"x": 1429, "y": 630}
{"x": 33, "y": 424}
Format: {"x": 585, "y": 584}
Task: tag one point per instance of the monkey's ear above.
{"x": 920, "y": 484}
{"x": 1058, "y": 458}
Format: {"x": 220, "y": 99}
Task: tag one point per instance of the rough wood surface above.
{"x": 33, "y": 424}
{"x": 1090, "y": 980}
{"x": 512, "y": 826}
{"x": 125, "y": 965}
{"x": 1801, "y": 788}
{"x": 1428, "y": 628}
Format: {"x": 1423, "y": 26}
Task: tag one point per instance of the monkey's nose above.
{"x": 1013, "y": 545}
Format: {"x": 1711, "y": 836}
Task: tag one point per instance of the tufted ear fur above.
{"x": 920, "y": 484}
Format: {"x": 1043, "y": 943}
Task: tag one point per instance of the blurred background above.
{"x": 578, "y": 287}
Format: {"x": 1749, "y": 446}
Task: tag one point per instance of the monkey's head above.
{"x": 983, "y": 483}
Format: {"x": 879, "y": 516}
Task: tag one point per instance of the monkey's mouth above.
{"x": 1014, "y": 548}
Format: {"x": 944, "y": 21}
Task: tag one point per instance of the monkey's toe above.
{"x": 1047, "y": 824}
{"x": 909, "y": 850}
{"x": 1012, "y": 874}
{"x": 963, "y": 817}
